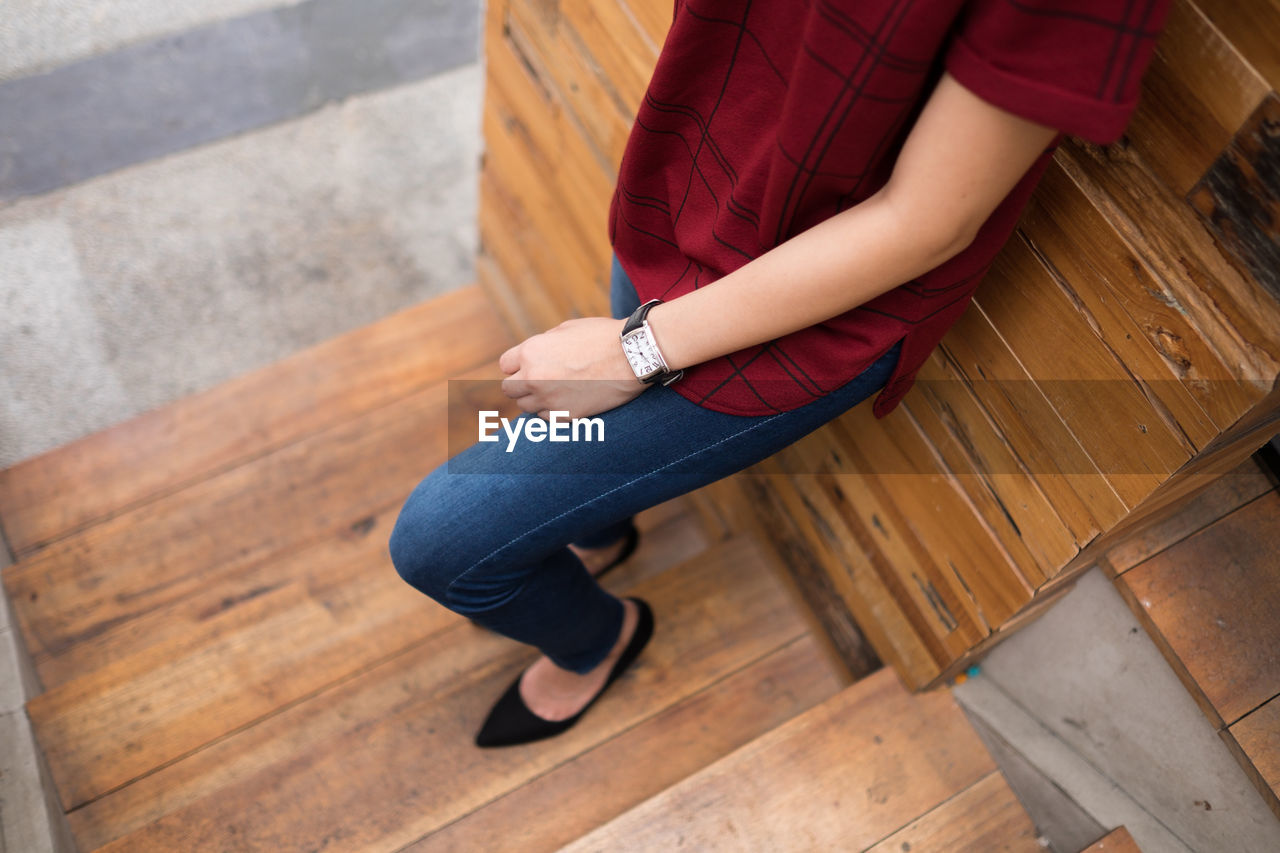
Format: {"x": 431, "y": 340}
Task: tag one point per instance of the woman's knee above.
{"x": 423, "y": 551}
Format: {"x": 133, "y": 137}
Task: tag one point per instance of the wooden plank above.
{"x": 842, "y": 776}
{"x": 545, "y": 38}
{"x": 1116, "y": 841}
{"x": 198, "y": 670}
{"x": 1085, "y": 384}
{"x": 817, "y": 527}
{"x": 922, "y": 566}
{"x": 991, "y": 475}
{"x": 1084, "y": 501}
{"x": 1224, "y": 454}
{"x": 1256, "y": 738}
{"x": 1239, "y": 196}
{"x": 123, "y": 568}
{"x": 639, "y": 763}
{"x": 554, "y": 135}
{"x": 1186, "y": 116}
{"x": 389, "y": 752}
{"x": 505, "y": 267}
{"x": 986, "y": 817}
{"x": 139, "y": 712}
{"x": 163, "y": 450}
{"x": 812, "y": 574}
{"x": 564, "y": 214}
{"x": 1224, "y": 495}
{"x": 1236, "y": 319}
{"x": 968, "y": 556}
{"x": 1215, "y": 599}
{"x": 1253, "y": 28}
{"x": 806, "y": 577}
{"x": 553, "y": 244}
{"x": 626, "y": 60}
{"x": 654, "y": 19}
{"x": 1118, "y": 299}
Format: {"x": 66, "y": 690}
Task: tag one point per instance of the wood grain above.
{"x": 164, "y": 450}
{"x": 159, "y": 553}
{"x": 1215, "y": 598}
{"x": 640, "y": 762}
{"x": 1253, "y": 28}
{"x": 1223, "y": 495}
{"x": 986, "y": 817}
{"x": 1257, "y": 737}
{"x": 989, "y": 471}
{"x": 1084, "y": 383}
{"x": 1239, "y": 196}
{"x": 389, "y": 751}
{"x": 1079, "y": 494}
{"x": 844, "y": 775}
{"x": 1117, "y": 298}
{"x": 1212, "y": 298}
{"x": 818, "y": 529}
{"x": 1195, "y": 94}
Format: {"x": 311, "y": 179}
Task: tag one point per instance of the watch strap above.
{"x": 636, "y": 321}
{"x": 637, "y": 316}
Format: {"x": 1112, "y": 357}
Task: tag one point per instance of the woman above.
{"x": 807, "y": 202}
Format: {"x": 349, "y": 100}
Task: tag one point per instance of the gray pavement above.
{"x": 38, "y": 35}
{"x": 236, "y": 238}
{"x": 227, "y": 77}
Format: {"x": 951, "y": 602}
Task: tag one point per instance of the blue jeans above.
{"x": 492, "y": 546}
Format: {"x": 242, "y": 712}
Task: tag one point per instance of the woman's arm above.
{"x": 961, "y": 158}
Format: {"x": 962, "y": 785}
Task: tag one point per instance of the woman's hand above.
{"x": 577, "y": 367}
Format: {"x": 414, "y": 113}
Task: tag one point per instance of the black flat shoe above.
{"x": 511, "y": 723}
{"x": 628, "y": 548}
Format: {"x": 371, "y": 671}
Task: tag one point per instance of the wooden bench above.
{"x": 1122, "y": 353}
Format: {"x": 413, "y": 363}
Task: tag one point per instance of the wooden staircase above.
{"x": 229, "y": 661}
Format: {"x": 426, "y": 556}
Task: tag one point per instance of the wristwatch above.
{"x": 641, "y": 350}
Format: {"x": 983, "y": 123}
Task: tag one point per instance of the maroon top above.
{"x": 765, "y": 117}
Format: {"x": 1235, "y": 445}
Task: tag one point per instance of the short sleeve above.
{"x": 1073, "y": 66}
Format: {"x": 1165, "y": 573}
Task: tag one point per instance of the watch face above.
{"x": 641, "y": 353}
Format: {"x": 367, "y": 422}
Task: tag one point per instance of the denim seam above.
{"x": 603, "y": 495}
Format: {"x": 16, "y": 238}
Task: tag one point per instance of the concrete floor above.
{"x": 1095, "y": 731}
{"x": 286, "y": 211}
{"x": 162, "y": 230}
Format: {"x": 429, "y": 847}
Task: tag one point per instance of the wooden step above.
{"x": 230, "y": 661}
{"x": 90, "y": 587}
{"x": 159, "y": 452}
{"x": 383, "y": 757}
{"x": 871, "y": 769}
{"x": 1211, "y": 601}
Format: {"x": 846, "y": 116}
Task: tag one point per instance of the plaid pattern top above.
{"x": 765, "y": 117}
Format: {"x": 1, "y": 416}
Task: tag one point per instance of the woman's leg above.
{"x": 485, "y": 534}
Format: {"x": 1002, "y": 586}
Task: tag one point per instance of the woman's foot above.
{"x": 553, "y": 693}
{"x": 563, "y": 696}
